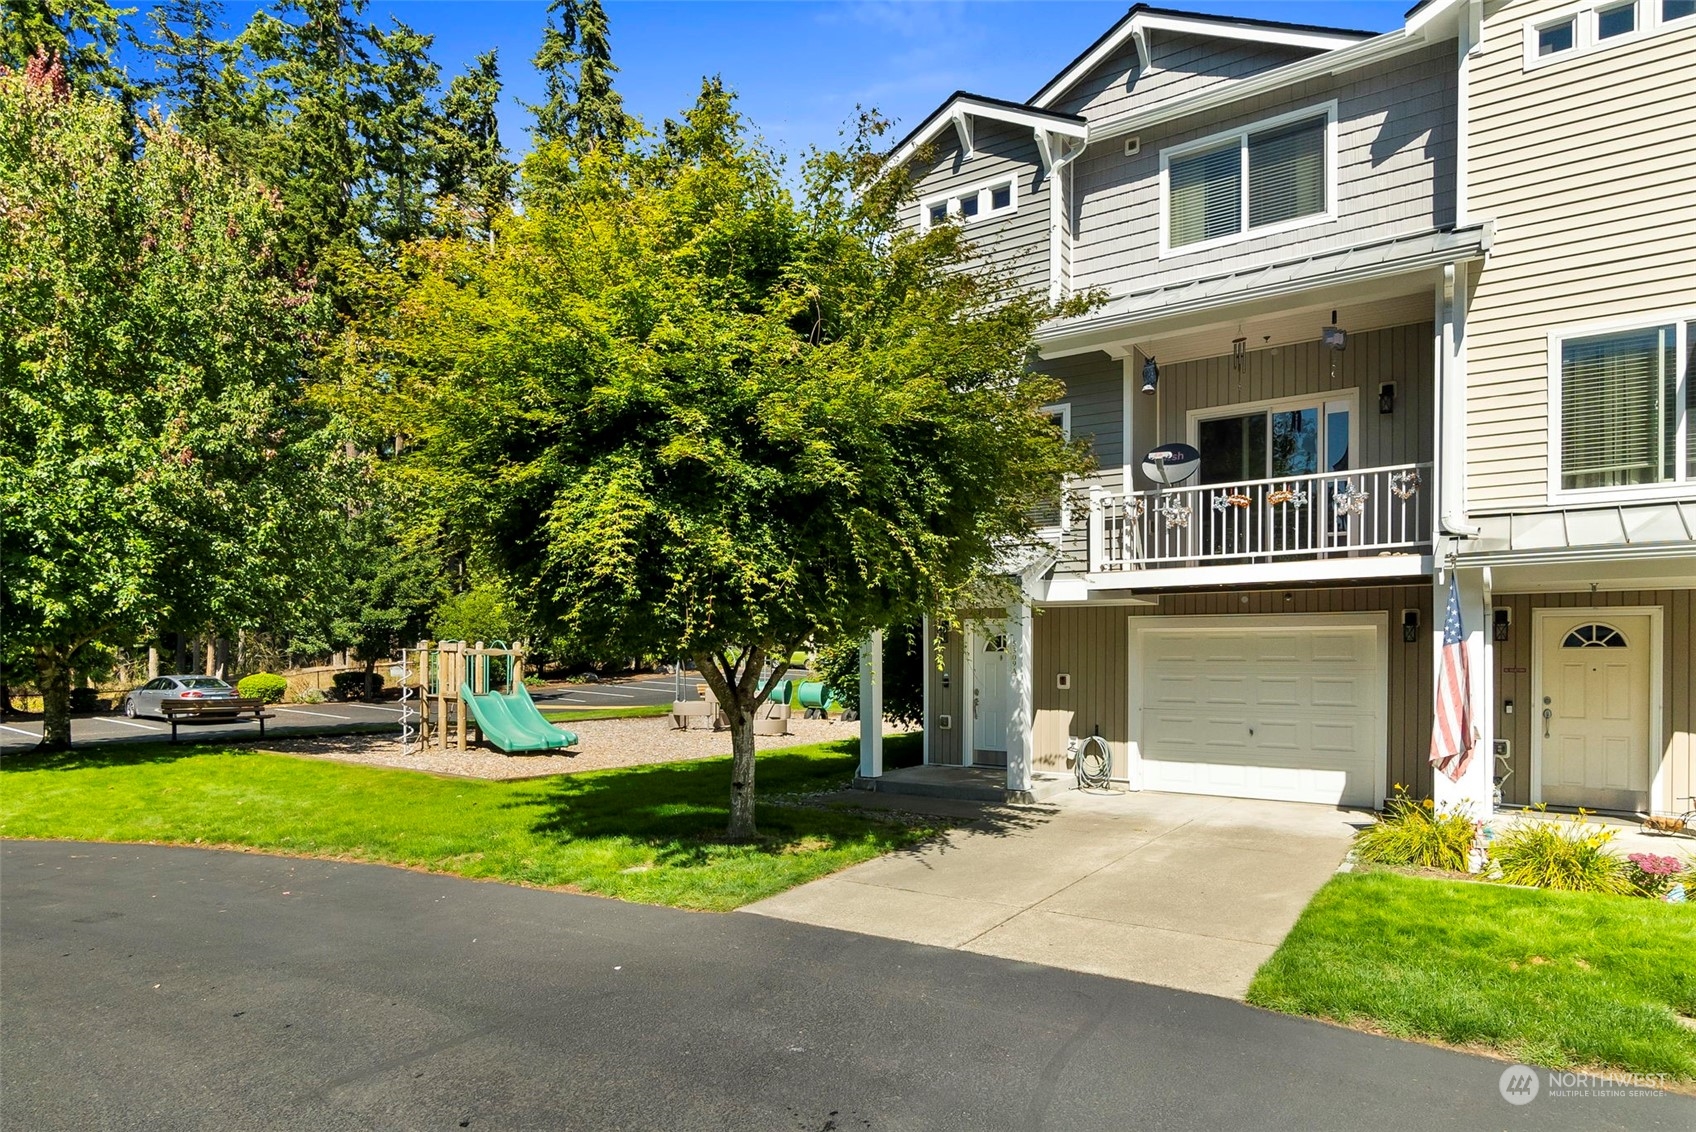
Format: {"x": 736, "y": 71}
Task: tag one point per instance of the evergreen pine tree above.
{"x": 400, "y": 135}
{"x": 471, "y": 164}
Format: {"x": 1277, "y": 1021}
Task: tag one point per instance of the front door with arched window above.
{"x": 1592, "y": 719}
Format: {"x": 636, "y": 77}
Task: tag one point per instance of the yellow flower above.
{"x": 1428, "y": 804}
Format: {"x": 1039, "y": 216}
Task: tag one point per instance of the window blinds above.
{"x": 1614, "y": 404}
{"x": 1205, "y": 195}
{"x": 1286, "y": 173}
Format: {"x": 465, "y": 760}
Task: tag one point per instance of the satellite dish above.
{"x": 1171, "y": 464}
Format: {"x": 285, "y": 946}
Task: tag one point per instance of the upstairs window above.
{"x": 1579, "y": 31}
{"x": 1625, "y": 403}
{"x": 979, "y": 202}
{"x": 1272, "y": 175}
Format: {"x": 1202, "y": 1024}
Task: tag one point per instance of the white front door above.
{"x": 1286, "y": 708}
{"x": 1593, "y": 714}
{"x": 990, "y": 675}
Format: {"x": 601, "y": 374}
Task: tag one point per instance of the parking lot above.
{"x": 21, "y": 734}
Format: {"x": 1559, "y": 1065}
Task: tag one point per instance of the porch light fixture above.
{"x": 1499, "y": 623}
{"x": 1150, "y": 375}
{"x": 1335, "y": 337}
{"x": 1387, "y": 397}
{"x": 1410, "y": 626}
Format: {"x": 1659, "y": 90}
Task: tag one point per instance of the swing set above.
{"x": 450, "y": 688}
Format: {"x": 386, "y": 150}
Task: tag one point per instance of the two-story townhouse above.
{"x": 1576, "y": 542}
{"x": 1270, "y": 211}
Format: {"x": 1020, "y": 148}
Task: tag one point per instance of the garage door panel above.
{"x": 1308, "y": 695}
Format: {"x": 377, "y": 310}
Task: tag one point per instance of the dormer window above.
{"x": 979, "y": 202}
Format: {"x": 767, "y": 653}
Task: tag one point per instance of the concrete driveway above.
{"x": 1175, "y": 890}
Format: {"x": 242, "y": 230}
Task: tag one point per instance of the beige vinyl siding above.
{"x": 1181, "y": 65}
{"x": 1512, "y": 667}
{"x": 1015, "y": 244}
{"x": 1091, "y": 644}
{"x": 1403, "y": 355}
{"x": 1395, "y": 176}
{"x": 1585, "y": 168}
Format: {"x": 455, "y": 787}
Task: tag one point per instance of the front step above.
{"x": 974, "y": 784}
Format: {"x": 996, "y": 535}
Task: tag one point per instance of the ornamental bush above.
{"x": 266, "y": 686}
{"x": 1571, "y": 856}
{"x": 346, "y": 686}
{"x": 1412, "y": 832}
{"x": 311, "y": 696}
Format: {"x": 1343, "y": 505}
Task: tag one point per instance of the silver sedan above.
{"x": 146, "y": 700}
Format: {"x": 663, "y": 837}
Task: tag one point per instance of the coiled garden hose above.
{"x": 1095, "y": 764}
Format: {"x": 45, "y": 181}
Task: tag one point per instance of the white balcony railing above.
{"x": 1325, "y": 515}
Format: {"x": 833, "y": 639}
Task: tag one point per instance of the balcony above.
{"x": 1272, "y": 527}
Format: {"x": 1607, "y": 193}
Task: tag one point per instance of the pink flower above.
{"x": 1656, "y": 866}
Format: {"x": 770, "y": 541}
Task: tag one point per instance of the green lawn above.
{"x": 651, "y": 833}
{"x": 638, "y": 711}
{"x": 1561, "y": 979}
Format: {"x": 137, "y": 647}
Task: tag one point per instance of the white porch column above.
{"x": 1021, "y": 713}
{"x": 871, "y": 706}
{"x": 1472, "y": 793}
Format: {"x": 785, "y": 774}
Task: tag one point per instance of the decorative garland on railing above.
{"x": 1349, "y": 501}
{"x": 1404, "y": 485}
{"x": 1285, "y": 495}
{"x": 1176, "y": 514}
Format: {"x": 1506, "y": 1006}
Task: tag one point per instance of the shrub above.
{"x": 85, "y": 699}
{"x": 267, "y": 686}
{"x": 351, "y": 685}
{"x": 1411, "y": 832}
{"x": 311, "y": 696}
{"x": 1571, "y": 856}
{"x": 534, "y": 682}
{"x": 1651, "y": 874}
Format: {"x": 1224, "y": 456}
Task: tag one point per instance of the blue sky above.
{"x": 801, "y": 66}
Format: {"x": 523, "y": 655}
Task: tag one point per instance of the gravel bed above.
{"x": 602, "y": 743}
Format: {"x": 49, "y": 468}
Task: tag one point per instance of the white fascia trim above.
{"x": 1136, "y": 29}
{"x": 962, "y": 109}
{"x": 1266, "y": 573}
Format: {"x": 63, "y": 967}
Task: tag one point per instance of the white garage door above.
{"x": 1288, "y": 713}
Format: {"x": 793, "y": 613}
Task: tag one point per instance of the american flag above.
{"x": 1451, "y": 731}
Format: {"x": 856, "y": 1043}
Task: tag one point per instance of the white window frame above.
{"x": 983, "y": 192}
{"x": 1321, "y": 400}
{"x": 1241, "y": 135}
{"x": 1063, "y": 410}
{"x": 1679, "y": 485}
{"x": 1585, "y": 40}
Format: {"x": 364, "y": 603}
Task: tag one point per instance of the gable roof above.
{"x": 1142, "y": 19}
{"x": 963, "y": 103}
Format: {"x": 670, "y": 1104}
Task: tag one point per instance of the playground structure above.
{"x": 448, "y": 689}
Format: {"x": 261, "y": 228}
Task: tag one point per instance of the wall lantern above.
{"x": 1500, "y": 622}
{"x": 1150, "y": 375}
{"x": 1387, "y": 397}
{"x": 1410, "y": 625}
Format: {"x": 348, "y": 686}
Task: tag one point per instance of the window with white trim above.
{"x": 992, "y": 198}
{"x": 1056, "y": 515}
{"x": 1579, "y": 31}
{"x": 1624, "y": 407}
{"x": 1271, "y": 175}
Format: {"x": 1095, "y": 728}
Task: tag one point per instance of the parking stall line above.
{"x": 318, "y": 714}
{"x": 131, "y": 723}
{"x": 19, "y": 731}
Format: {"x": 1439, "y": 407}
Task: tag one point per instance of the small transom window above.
{"x": 1555, "y": 38}
{"x": 1594, "y": 637}
{"x": 993, "y": 198}
{"x": 997, "y": 643}
{"x": 1620, "y": 20}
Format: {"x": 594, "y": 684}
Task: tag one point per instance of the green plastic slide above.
{"x": 513, "y": 722}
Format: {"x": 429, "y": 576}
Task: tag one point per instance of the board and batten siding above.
{"x": 1403, "y": 355}
{"x": 1014, "y": 244}
{"x": 946, "y": 701}
{"x": 1179, "y": 66}
{"x": 1512, "y": 667}
{"x": 1585, "y": 168}
{"x": 1091, "y": 643}
{"x": 1395, "y": 177}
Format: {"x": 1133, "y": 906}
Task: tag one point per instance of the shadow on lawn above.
{"x": 682, "y": 809}
{"x": 104, "y": 755}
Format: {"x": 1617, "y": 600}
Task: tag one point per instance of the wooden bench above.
{"x": 179, "y": 710}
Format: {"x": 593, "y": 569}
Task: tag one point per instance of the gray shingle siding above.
{"x": 1395, "y": 176}
{"x": 1017, "y": 243}
{"x": 1181, "y": 65}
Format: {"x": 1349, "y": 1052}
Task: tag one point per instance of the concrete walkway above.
{"x": 1176, "y": 890}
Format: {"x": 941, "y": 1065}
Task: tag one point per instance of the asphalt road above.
{"x": 159, "y": 988}
{"x": 21, "y": 734}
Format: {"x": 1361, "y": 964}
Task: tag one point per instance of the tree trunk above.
{"x": 220, "y": 657}
{"x": 54, "y": 674}
{"x": 742, "y": 827}
{"x": 153, "y": 662}
{"x": 738, "y": 688}
{"x": 370, "y": 666}
{"x": 5, "y": 694}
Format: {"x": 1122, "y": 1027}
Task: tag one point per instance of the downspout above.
{"x": 1057, "y": 154}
